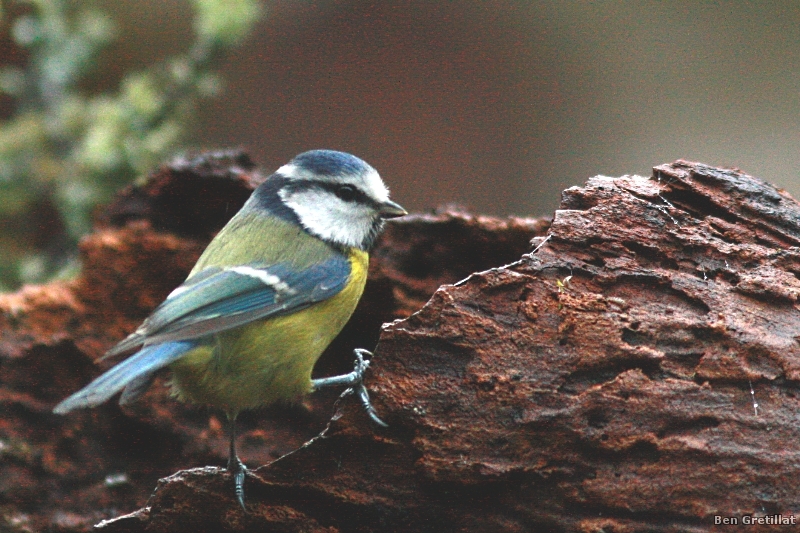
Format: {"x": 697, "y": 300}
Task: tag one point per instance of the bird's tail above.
{"x": 135, "y": 370}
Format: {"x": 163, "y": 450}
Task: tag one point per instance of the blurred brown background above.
{"x": 499, "y": 105}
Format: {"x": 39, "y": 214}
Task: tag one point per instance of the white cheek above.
{"x": 331, "y": 218}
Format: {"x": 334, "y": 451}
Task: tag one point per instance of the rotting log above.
{"x": 602, "y": 383}
{"x": 636, "y": 372}
{"x": 67, "y": 473}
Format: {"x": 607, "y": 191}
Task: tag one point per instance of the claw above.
{"x": 363, "y": 396}
{"x": 238, "y": 470}
{"x": 355, "y": 383}
{"x": 236, "y": 467}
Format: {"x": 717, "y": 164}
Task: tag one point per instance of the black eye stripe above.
{"x": 345, "y": 191}
{"x": 354, "y": 194}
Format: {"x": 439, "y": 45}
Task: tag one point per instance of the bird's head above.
{"x": 333, "y": 195}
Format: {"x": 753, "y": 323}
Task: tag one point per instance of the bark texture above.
{"x": 638, "y": 371}
{"x": 603, "y": 383}
{"x": 67, "y": 473}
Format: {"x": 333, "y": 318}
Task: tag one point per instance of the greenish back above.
{"x": 253, "y": 237}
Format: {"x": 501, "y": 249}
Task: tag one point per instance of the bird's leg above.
{"x": 355, "y": 381}
{"x": 235, "y": 465}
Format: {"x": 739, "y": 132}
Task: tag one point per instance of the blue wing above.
{"x": 215, "y": 299}
{"x": 211, "y": 301}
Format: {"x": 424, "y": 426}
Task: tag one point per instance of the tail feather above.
{"x": 136, "y": 368}
{"x": 136, "y": 388}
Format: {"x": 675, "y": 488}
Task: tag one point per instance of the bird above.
{"x": 266, "y": 297}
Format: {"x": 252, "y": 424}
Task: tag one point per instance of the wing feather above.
{"x": 215, "y": 300}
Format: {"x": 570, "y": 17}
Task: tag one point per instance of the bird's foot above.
{"x": 355, "y": 383}
{"x": 238, "y": 470}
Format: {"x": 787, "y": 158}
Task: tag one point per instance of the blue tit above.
{"x": 266, "y": 297}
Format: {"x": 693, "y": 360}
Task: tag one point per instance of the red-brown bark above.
{"x": 67, "y": 473}
{"x": 607, "y": 381}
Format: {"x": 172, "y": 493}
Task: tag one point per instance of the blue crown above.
{"x": 330, "y": 163}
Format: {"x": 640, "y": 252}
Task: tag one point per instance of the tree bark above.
{"x": 67, "y": 473}
{"x": 636, "y": 371}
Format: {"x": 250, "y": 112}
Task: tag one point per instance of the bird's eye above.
{"x": 347, "y": 193}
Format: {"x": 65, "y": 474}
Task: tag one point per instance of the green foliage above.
{"x": 225, "y": 22}
{"x": 72, "y": 150}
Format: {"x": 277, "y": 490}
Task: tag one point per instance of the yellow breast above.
{"x": 269, "y": 360}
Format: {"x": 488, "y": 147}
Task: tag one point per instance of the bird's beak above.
{"x": 389, "y": 209}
